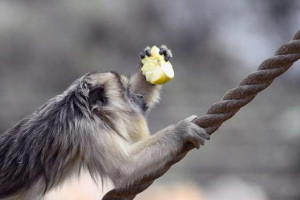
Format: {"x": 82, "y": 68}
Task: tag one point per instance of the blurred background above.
{"x": 45, "y": 45}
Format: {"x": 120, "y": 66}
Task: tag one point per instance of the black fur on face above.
{"x": 139, "y": 100}
{"x": 97, "y": 98}
{"x": 95, "y": 95}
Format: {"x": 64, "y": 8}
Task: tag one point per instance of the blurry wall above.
{"x": 45, "y": 45}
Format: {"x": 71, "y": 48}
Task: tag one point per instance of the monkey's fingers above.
{"x": 201, "y": 132}
{"x": 191, "y": 118}
{"x": 197, "y": 141}
{"x": 146, "y": 52}
{"x": 163, "y": 50}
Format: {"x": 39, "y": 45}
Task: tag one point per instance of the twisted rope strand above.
{"x": 219, "y": 112}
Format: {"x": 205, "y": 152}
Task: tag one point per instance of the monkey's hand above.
{"x": 154, "y": 72}
{"x": 188, "y": 131}
{"x": 156, "y": 66}
{"x": 151, "y": 154}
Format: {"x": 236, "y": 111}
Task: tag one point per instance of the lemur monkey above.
{"x": 99, "y": 124}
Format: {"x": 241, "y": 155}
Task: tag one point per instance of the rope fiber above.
{"x": 219, "y": 112}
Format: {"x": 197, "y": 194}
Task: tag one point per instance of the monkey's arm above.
{"x": 151, "y": 154}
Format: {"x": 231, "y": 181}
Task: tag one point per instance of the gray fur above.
{"x": 108, "y": 136}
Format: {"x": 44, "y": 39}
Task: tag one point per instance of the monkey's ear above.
{"x": 97, "y": 98}
{"x": 85, "y": 88}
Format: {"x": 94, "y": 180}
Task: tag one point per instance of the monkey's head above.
{"x": 108, "y": 97}
{"x": 111, "y": 91}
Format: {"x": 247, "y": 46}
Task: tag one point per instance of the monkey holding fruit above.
{"x": 98, "y": 124}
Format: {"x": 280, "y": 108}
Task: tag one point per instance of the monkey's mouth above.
{"x": 144, "y": 107}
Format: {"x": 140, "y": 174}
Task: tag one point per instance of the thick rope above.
{"x": 219, "y": 112}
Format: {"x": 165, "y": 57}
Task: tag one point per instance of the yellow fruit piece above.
{"x": 156, "y": 70}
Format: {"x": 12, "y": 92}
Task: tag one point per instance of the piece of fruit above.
{"x": 156, "y": 70}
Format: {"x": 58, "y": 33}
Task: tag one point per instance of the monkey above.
{"x": 99, "y": 123}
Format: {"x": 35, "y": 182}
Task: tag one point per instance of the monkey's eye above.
{"x": 140, "y": 96}
{"x": 97, "y": 97}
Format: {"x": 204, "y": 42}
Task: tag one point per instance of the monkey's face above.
{"x": 110, "y": 99}
{"x": 110, "y": 92}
